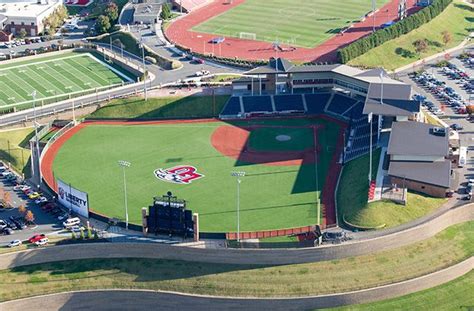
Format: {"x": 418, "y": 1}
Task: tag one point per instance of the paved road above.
{"x": 240, "y": 256}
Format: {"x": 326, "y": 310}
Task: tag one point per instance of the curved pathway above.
{"x": 153, "y": 300}
{"x": 239, "y": 256}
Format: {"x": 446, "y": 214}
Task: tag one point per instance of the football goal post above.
{"x": 248, "y": 36}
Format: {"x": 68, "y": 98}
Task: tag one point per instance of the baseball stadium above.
{"x": 305, "y": 31}
{"x": 290, "y": 139}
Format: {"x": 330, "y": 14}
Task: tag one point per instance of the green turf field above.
{"x": 304, "y": 23}
{"x": 53, "y": 77}
{"x": 271, "y": 196}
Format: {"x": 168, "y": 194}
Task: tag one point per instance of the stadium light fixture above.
{"x": 125, "y": 164}
{"x": 33, "y": 94}
{"x": 239, "y": 175}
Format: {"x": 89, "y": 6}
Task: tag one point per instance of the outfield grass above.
{"x": 304, "y": 23}
{"x": 13, "y": 148}
{"x": 272, "y": 197}
{"x": 454, "y": 295}
{"x": 163, "y": 107}
{"x": 352, "y": 199}
{"x": 52, "y": 77}
{"x": 457, "y": 19}
{"x": 445, "y": 249}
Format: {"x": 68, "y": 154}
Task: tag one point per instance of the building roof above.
{"x": 434, "y": 173}
{"x": 391, "y": 107}
{"x": 145, "y": 9}
{"x": 412, "y": 138}
{"x": 26, "y": 9}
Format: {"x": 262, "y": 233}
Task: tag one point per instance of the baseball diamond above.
{"x": 194, "y": 161}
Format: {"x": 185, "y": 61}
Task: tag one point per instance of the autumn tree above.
{"x": 446, "y": 37}
{"x": 29, "y": 217}
{"x": 421, "y": 45}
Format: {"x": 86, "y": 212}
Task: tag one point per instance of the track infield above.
{"x": 305, "y": 30}
{"x": 279, "y": 190}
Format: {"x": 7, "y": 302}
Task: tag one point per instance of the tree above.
{"x": 89, "y": 233}
{"x": 165, "y": 12}
{"x": 29, "y": 217}
{"x": 111, "y": 11}
{"x": 6, "y": 197}
{"x": 22, "y": 33}
{"x": 82, "y": 234}
{"x": 102, "y": 24}
{"x": 446, "y": 37}
{"x": 420, "y": 45}
{"x": 22, "y": 209}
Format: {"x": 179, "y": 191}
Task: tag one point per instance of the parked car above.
{"x": 36, "y": 238}
{"x": 41, "y": 200}
{"x": 33, "y": 195}
{"x": 456, "y": 127}
{"x": 14, "y": 243}
{"x": 3, "y": 224}
{"x": 42, "y": 242}
{"x": 71, "y": 222}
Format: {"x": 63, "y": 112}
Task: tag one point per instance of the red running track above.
{"x": 180, "y": 33}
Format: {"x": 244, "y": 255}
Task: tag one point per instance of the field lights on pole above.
{"x": 125, "y": 164}
{"x": 239, "y": 175}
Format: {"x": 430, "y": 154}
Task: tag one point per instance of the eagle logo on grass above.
{"x": 182, "y": 174}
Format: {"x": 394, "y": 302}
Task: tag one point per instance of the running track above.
{"x": 180, "y": 33}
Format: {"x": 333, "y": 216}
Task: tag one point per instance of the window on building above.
{"x": 13, "y": 23}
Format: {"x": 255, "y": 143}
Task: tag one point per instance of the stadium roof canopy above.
{"x": 418, "y": 139}
{"x": 434, "y": 173}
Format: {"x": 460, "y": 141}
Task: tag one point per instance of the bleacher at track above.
{"x": 340, "y": 104}
{"x": 316, "y": 102}
{"x": 232, "y": 107}
{"x": 288, "y": 103}
{"x": 257, "y": 104}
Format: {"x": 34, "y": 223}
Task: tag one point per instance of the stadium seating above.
{"x": 231, "y": 108}
{"x": 288, "y": 103}
{"x": 316, "y": 102}
{"x": 355, "y": 113}
{"x": 358, "y": 134}
{"x": 340, "y": 104}
{"x": 257, "y": 104}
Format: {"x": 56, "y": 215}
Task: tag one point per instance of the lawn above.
{"x": 457, "y": 19}
{"x": 271, "y": 196}
{"x": 53, "y": 77}
{"x": 454, "y": 295}
{"x": 304, "y": 23}
{"x": 445, "y": 249}
{"x": 352, "y": 199}
{"x": 13, "y": 148}
{"x": 163, "y": 107}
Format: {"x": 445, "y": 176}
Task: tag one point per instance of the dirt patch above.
{"x": 231, "y": 141}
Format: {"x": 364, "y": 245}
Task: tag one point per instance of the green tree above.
{"x": 82, "y": 234}
{"x": 102, "y": 24}
{"x": 22, "y": 33}
{"x": 111, "y": 11}
{"x": 89, "y": 233}
{"x": 165, "y": 12}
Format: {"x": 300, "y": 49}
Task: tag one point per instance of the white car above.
{"x": 42, "y": 242}
{"x": 14, "y": 243}
{"x": 25, "y": 187}
{"x": 76, "y": 228}
{"x": 41, "y": 200}
{"x": 5, "y": 173}
{"x": 3, "y": 224}
{"x": 199, "y": 73}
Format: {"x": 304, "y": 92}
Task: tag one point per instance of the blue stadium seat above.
{"x": 232, "y": 107}
{"x": 316, "y": 102}
{"x": 257, "y": 104}
{"x": 288, "y": 103}
{"x": 339, "y": 104}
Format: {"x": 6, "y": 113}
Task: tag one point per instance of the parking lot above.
{"x": 447, "y": 92}
{"x": 18, "y": 229}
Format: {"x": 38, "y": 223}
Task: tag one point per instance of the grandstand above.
{"x": 342, "y": 92}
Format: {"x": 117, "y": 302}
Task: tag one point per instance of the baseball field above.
{"x": 281, "y": 159}
{"x": 304, "y": 23}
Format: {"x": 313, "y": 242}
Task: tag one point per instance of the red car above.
{"x": 36, "y": 238}
{"x": 48, "y": 206}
